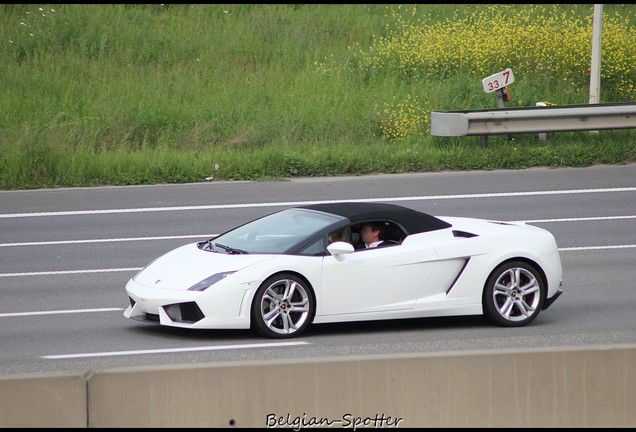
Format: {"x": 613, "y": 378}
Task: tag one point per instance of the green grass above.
{"x": 141, "y": 94}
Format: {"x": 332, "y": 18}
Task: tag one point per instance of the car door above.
{"x": 375, "y": 280}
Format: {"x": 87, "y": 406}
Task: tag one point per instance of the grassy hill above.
{"x": 136, "y": 94}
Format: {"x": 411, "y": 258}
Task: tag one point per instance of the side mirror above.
{"x": 339, "y": 247}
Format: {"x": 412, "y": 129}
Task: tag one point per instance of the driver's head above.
{"x": 371, "y": 232}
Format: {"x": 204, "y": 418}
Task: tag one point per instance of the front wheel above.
{"x": 513, "y": 295}
{"x": 283, "y": 307}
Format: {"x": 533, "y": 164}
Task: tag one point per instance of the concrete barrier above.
{"x": 557, "y": 387}
{"x": 54, "y": 400}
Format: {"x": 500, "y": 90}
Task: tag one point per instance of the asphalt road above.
{"x": 66, "y": 254}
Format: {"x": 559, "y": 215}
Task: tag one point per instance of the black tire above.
{"x": 513, "y": 295}
{"x": 283, "y": 307}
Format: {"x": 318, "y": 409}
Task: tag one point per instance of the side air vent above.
{"x": 458, "y": 275}
{"x": 465, "y": 234}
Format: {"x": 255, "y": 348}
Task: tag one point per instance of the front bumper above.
{"x": 215, "y": 308}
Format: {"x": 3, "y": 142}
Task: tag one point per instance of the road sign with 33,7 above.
{"x": 498, "y": 80}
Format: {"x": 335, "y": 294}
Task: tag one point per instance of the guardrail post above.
{"x": 542, "y": 136}
{"x": 501, "y": 97}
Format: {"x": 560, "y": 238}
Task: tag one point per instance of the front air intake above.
{"x": 184, "y": 312}
{"x": 152, "y": 317}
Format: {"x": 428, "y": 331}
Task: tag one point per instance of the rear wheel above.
{"x": 283, "y": 307}
{"x": 513, "y": 295}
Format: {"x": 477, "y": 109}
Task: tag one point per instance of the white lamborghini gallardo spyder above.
{"x": 284, "y": 271}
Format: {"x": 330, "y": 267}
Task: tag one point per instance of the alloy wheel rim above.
{"x": 285, "y": 306}
{"x": 516, "y": 294}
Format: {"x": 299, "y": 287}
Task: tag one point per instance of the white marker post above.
{"x": 595, "y": 67}
{"x": 498, "y": 83}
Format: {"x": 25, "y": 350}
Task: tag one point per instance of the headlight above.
{"x": 208, "y": 282}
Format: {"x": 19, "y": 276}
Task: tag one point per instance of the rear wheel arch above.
{"x": 530, "y": 262}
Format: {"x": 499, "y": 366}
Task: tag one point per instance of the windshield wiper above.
{"x": 230, "y": 250}
{"x": 207, "y": 245}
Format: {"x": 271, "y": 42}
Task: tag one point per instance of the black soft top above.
{"x": 411, "y": 220}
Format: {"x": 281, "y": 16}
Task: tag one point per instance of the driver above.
{"x": 373, "y": 235}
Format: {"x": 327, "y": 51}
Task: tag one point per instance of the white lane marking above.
{"x": 63, "y": 272}
{"x": 207, "y": 236}
{"x": 125, "y": 239}
{"x": 565, "y": 249}
{"x": 173, "y": 350}
{"x": 14, "y": 314}
{"x": 582, "y": 219}
{"x": 297, "y": 203}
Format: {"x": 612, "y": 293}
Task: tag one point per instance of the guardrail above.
{"x": 520, "y": 120}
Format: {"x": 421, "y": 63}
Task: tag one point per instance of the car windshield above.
{"x": 275, "y": 233}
